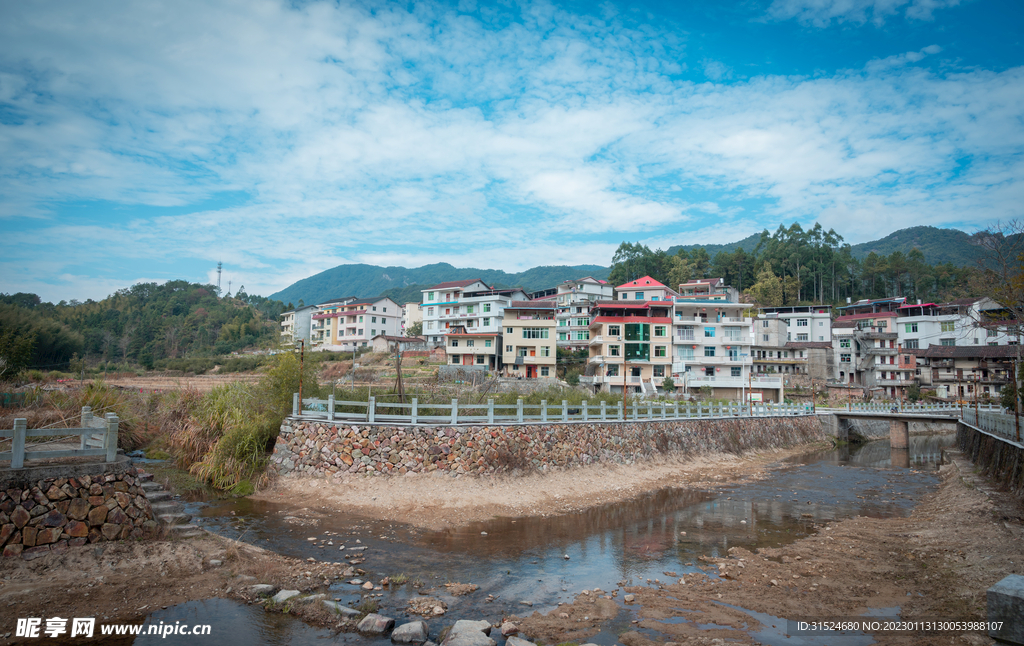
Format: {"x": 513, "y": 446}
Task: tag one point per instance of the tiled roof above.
{"x": 457, "y": 283}
{"x": 644, "y": 282}
{"x": 537, "y": 304}
{"x": 972, "y": 351}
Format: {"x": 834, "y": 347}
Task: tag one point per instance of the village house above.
{"x": 529, "y": 340}
{"x": 348, "y": 326}
{"x": 630, "y": 345}
{"x": 572, "y": 314}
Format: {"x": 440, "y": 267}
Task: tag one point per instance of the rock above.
{"x": 110, "y": 531}
{"x": 216, "y": 562}
{"x": 98, "y": 516}
{"x": 35, "y": 552}
{"x": 629, "y": 598}
{"x": 117, "y": 516}
{"x": 437, "y": 611}
{"x": 508, "y": 628}
{"x": 367, "y": 586}
{"x": 20, "y": 517}
{"x": 284, "y": 595}
{"x": 78, "y": 509}
{"x": 311, "y": 598}
{"x": 48, "y": 535}
{"x": 524, "y": 602}
{"x": 414, "y": 632}
{"x": 6, "y": 532}
{"x": 344, "y": 611}
{"x": 262, "y": 589}
{"x": 13, "y": 550}
{"x": 469, "y": 633}
{"x": 356, "y": 582}
{"x": 518, "y": 641}
{"x": 374, "y": 624}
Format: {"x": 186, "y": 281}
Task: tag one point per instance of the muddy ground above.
{"x": 439, "y": 501}
{"x": 937, "y": 563}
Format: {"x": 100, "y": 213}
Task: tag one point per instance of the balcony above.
{"x": 874, "y": 333}
{"x": 894, "y": 382}
{"x": 532, "y": 361}
{"x": 885, "y": 352}
{"x": 733, "y": 382}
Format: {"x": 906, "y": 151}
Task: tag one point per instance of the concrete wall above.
{"x": 43, "y": 511}
{"x": 333, "y": 448}
{"x": 1001, "y": 460}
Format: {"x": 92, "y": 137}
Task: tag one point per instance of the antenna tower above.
{"x": 219, "y": 266}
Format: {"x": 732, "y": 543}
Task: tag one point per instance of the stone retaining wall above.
{"x": 1001, "y": 460}
{"x": 40, "y": 516}
{"x": 334, "y": 448}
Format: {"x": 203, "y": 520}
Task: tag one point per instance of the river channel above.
{"x": 531, "y": 564}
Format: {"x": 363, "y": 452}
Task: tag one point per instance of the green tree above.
{"x": 415, "y": 329}
{"x": 668, "y": 385}
{"x": 767, "y": 291}
{"x": 572, "y": 378}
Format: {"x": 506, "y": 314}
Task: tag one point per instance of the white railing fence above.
{"x": 1003, "y": 424}
{"x": 98, "y": 438}
{"x": 375, "y": 412}
{"x": 937, "y": 407}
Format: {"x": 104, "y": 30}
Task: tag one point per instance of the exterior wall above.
{"x": 722, "y": 356}
{"x": 480, "y": 350}
{"x": 439, "y": 298}
{"x": 573, "y": 303}
{"x": 52, "y": 514}
{"x": 412, "y": 313}
{"x": 297, "y": 324}
{"x": 524, "y": 356}
{"x": 321, "y": 448}
{"x": 347, "y": 327}
{"x": 644, "y": 289}
{"x": 769, "y": 357}
{"x": 650, "y": 362}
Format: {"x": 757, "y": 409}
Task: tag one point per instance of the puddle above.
{"x": 524, "y": 559}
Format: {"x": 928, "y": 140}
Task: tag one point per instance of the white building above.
{"x": 572, "y": 311}
{"x": 966, "y": 321}
{"x": 297, "y": 324}
{"x": 344, "y": 327}
{"x": 471, "y": 306}
{"x": 804, "y": 323}
{"x": 645, "y": 289}
{"x": 412, "y": 313}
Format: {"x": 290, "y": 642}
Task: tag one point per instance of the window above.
{"x": 360, "y": 319}
{"x": 801, "y": 322}
{"x": 911, "y": 344}
{"x": 360, "y": 331}
{"x": 821, "y": 323}
{"x": 614, "y": 330}
{"x": 947, "y": 326}
{"x": 638, "y": 331}
{"x": 487, "y": 321}
{"x": 947, "y": 341}
{"x": 660, "y": 351}
{"x": 910, "y": 327}
{"x": 373, "y": 332}
{"x": 709, "y": 333}
{"x": 508, "y": 330}
{"x": 535, "y": 333}
{"x": 373, "y": 319}
{"x": 659, "y": 330}
{"x": 844, "y": 343}
{"x": 508, "y": 348}
{"x": 612, "y": 371}
{"x": 374, "y": 308}
{"x": 430, "y": 296}
{"x": 544, "y": 371}
{"x": 430, "y": 325}
{"x": 709, "y": 351}
{"x": 659, "y": 371}
{"x": 469, "y": 309}
{"x": 581, "y": 322}
{"x": 765, "y": 337}
{"x": 470, "y": 343}
{"x": 844, "y": 358}
{"x": 639, "y": 296}
{"x": 455, "y": 343}
{"x": 583, "y": 335}
{"x": 480, "y": 358}
{"x": 764, "y": 323}
{"x": 521, "y": 352}
{"x": 638, "y": 352}
{"x": 430, "y": 311}
{"x": 487, "y": 343}
{"x": 736, "y": 371}
{"x": 991, "y": 332}
{"x": 563, "y": 336}
{"x": 384, "y": 309}
{"x": 614, "y": 350}
{"x": 487, "y": 308}
{"x": 455, "y": 358}
{"x": 801, "y": 337}
{"x": 545, "y": 351}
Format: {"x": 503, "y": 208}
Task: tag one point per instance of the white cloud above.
{"x": 434, "y": 135}
{"x": 822, "y": 12}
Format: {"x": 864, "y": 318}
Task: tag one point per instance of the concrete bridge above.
{"x": 838, "y": 422}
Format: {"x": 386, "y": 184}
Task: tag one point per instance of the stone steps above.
{"x": 168, "y": 512}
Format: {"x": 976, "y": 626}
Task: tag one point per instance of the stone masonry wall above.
{"x": 336, "y": 448}
{"x": 41, "y": 516}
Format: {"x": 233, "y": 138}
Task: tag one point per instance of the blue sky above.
{"x": 146, "y": 141}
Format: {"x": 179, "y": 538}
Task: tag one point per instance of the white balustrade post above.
{"x": 490, "y": 411}
{"x": 621, "y": 416}
{"x": 330, "y": 407}
{"x": 86, "y": 423}
{"x": 18, "y": 443}
{"x": 415, "y": 410}
{"x": 586, "y": 411}
{"x": 371, "y": 409}
{"x": 675, "y": 409}
{"x": 544, "y": 411}
{"x": 565, "y": 410}
{"x": 650, "y": 411}
{"x": 295, "y": 404}
{"x": 455, "y": 411}
{"x": 604, "y": 410}
{"x": 110, "y": 437}
{"x": 519, "y": 410}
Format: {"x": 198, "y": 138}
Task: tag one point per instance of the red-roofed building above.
{"x": 572, "y": 315}
{"x": 644, "y": 289}
{"x": 344, "y": 326}
{"x": 708, "y": 289}
{"x": 629, "y": 337}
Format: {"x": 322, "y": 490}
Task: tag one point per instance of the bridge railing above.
{"x": 98, "y": 437}
{"x": 937, "y": 407}
{"x": 1002, "y": 424}
{"x": 375, "y": 412}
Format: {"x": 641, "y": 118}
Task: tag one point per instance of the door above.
{"x": 531, "y": 372}
{"x": 467, "y": 359}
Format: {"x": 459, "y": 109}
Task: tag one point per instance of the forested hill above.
{"x": 139, "y": 325}
{"x": 403, "y": 284}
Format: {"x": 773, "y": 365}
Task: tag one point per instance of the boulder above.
{"x": 98, "y": 515}
{"x": 20, "y": 517}
{"x": 284, "y": 595}
{"x": 508, "y": 629}
{"x": 374, "y": 624}
{"x": 518, "y": 641}
{"x": 345, "y": 611}
{"x": 469, "y": 633}
{"x": 110, "y": 531}
{"x": 414, "y": 632}
{"x": 262, "y": 589}
{"x": 78, "y": 509}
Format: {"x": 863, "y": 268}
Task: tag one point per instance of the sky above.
{"x": 150, "y": 141}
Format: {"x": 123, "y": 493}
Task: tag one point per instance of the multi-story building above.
{"x": 966, "y": 321}
{"x": 630, "y": 345}
{"x": 957, "y": 372}
{"x": 712, "y": 346}
{"x": 297, "y": 324}
{"x": 529, "y": 339}
{"x": 345, "y": 327}
{"x": 644, "y": 289}
{"x": 468, "y": 304}
{"x": 804, "y": 323}
{"x": 708, "y": 289}
{"x": 572, "y": 314}
{"x": 319, "y": 326}
{"x": 481, "y": 350}
{"x": 412, "y": 313}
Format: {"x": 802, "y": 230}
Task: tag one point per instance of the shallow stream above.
{"x": 522, "y": 562}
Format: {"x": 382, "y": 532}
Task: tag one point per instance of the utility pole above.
{"x": 302, "y": 357}
{"x": 398, "y": 366}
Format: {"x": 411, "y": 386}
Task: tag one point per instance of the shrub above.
{"x": 572, "y": 378}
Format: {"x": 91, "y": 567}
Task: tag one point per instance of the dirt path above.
{"x": 937, "y": 563}
{"x": 441, "y": 501}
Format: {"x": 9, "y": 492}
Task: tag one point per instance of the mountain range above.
{"x": 404, "y": 284}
